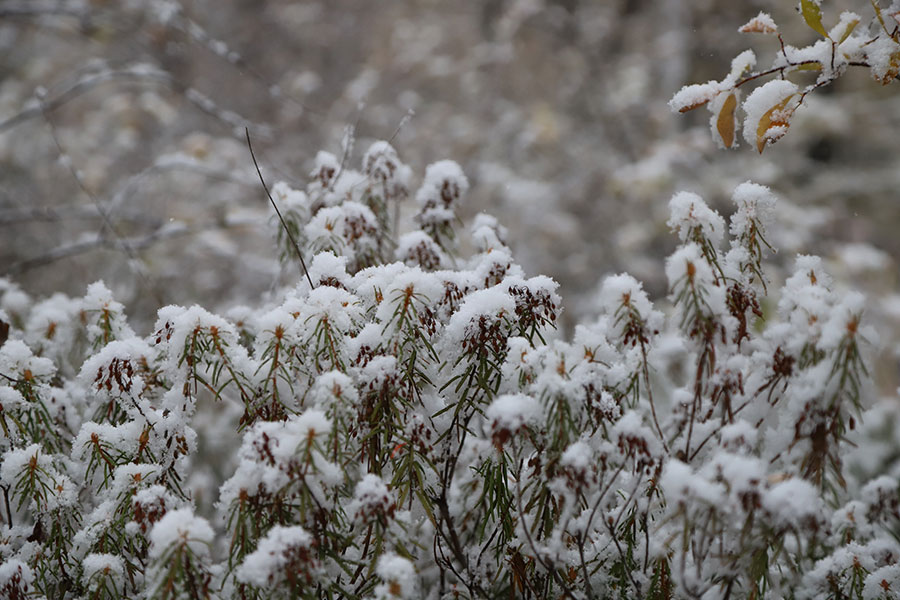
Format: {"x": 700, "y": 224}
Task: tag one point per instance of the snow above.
{"x": 371, "y": 499}
{"x": 681, "y": 486}
{"x": 417, "y": 248}
{"x": 694, "y": 95}
{"x": 16, "y": 578}
{"x": 844, "y": 320}
{"x": 108, "y": 314}
{"x": 411, "y": 291}
{"x": 880, "y": 495}
{"x": 18, "y": 362}
{"x": 492, "y": 304}
{"x": 846, "y": 22}
{"x": 114, "y": 439}
{"x": 690, "y": 216}
{"x": 116, "y": 365}
{"x": 12, "y": 299}
{"x": 275, "y": 555}
{"x": 379, "y": 371}
{"x": 881, "y": 54}
{"x": 339, "y": 308}
{"x": 631, "y": 433}
{"x": 334, "y": 392}
{"x": 398, "y": 575}
{"x": 624, "y": 292}
{"x": 739, "y": 436}
{"x": 16, "y": 460}
{"x": 761, "y": 23}
{"x": 181, "y": 527}
{"x": 688, "y": 264}
{"x": 130, "y": 476}
{"x": 348, "y": 229}
{"x": 793, "y": 503}
{"x": 760, "y": 101}
{"x": 806, "y": 301}
{"x": 755, "y": 208}
{"x": 488, "y": 233}
{"x": 444, "y": 181}
{"x": 52, "y": 489}
{"x": 381, "y": 163}
{"x": 98, "y": 567}
{"x": 881, "y": 581}
{"x": 291, "y": 202}
{"x": 512, "y": 411}
{"x": 578, "y": 457}
{"x": 10, "y": 399}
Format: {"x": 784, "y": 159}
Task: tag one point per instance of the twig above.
{"x": 164, "y": 232}
{"x": 278, "y": 212}
{"x": 82, "y": 86}
{"x": 220, "y": 48}
{"x": 646, "y": 373}
{"x": 49, "y": 214}
{"x": 37, "y": 8}
{"x": 134, "y": 259}
{"x": 406, "y": 119}
{"x": 346, "y": 147}
{"x": 138, "y": 73}
{"x": 547, "y": 564}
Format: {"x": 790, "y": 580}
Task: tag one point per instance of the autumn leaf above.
{"x": 773, "y": 124}
{"x": 761, "y": 23}
{"x": 725, "y": 122}
{"x": 693, "y": 96}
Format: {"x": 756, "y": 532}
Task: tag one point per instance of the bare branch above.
{"x": 278, "y": 212}
{"x": 142, "y": 74}
{"x": 165, "y": 232}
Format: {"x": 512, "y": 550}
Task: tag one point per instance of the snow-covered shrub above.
{"x": 419, "y": 429}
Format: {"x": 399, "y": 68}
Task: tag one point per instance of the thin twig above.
{"x": 278, "y": 212}
{"x": 164, "y": 232}
{"x": 347, "y": 142}
{"x": 134, "y": 260}
{"x": 82, "y": 86}
{"x": 199, "y": 35}
{"x": 547, "y": 564}
{"x": 406, "y": 119}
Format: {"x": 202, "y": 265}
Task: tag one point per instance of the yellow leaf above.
{"x": 725, "y": 122}
{"x": 850, "y": 27}
{"x": 776, "y": 116}
{"x": 812, "y": 14}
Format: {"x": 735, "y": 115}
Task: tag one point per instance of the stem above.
{"x": 278, "y": 212}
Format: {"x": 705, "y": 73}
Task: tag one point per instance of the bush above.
{"x": 411, "y": 425}
{"x": 405, "y": 421}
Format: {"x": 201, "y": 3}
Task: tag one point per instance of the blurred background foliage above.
{"x": 556, "y": 110}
